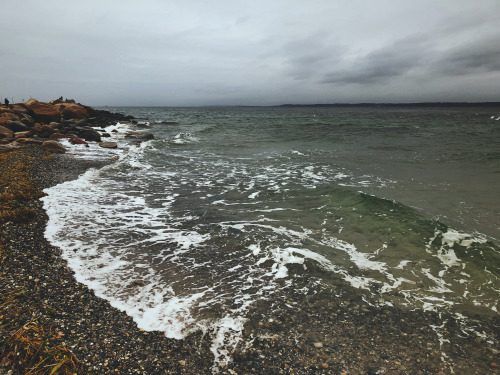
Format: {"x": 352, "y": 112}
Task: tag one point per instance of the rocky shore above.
{"x": 44, "y": 124}
{"x": 49, "y": 323}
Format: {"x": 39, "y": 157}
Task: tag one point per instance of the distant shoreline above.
{"x": 382, "y": 105}
{"x": 325, "y": 105}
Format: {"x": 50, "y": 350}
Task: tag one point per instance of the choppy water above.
{"x": 228, "y": 205}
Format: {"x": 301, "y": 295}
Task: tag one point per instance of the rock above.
{"x": 108, "y": 145}
{"x": 25, "y": 134}
{"x": 30, "y": 141}
{"x": 56, "y": 101}
{"x": 57, "y": 136}
{"x": 4, "y": 120}
{"x": 72, "y": 111}
{"x": 10, "y": 116}
{"x": 42, "y": 111}
{"x": 16, "y": 126}
{"x": 82, "y": 123}
{"x": 6, "y": 133}
{"x": 27, "y": 120}
{"x": 78, "y": 141}
{"x": 7, "y": 148}
{"x": 31, "y": 101}
{"x": 137, "y": 283}
{"x": 90, "y": 135}
{"x": 147, "y": 136}
{"x": 53, "y": 147}
{"x": 318, "y": 345}
{"x": 43, "y": 131}
{"x": 19, "y": 109}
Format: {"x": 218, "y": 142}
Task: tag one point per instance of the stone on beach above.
{"x": 88, "y": 134}
{"x": 25, "y": 134}
{"x": 6, "y": 133}
{"x": 53, "y": 147}
{"x": 108, "y": 145}
{"x": 78, "y": 141}
{"x": 16, "y": 126}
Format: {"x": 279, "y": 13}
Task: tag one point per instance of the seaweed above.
{"x": 27, "y": 346}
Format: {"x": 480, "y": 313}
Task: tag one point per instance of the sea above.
{"x": 227, "y": 207}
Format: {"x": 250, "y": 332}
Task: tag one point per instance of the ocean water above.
{"x": 227, "y": 206}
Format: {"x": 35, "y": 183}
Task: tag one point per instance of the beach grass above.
{"x": 29, "y": 346}
{"x": 16, "y": 187}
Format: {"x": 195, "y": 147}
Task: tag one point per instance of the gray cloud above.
{"x": 308, "y": 56}
{"x": 238, "y": 52}
{"x": 482, "y": 56}
{"x": 381, "y": 65}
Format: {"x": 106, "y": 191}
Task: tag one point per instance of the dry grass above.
{"x": 16, "y": 187}
{"x": 31, "y": 348}
{"x": 26, "y": 346}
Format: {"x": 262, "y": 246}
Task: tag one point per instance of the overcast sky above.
{"x": 161, "y": 52}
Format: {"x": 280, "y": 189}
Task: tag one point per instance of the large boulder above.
{"x": 42, "y": 112}
{"x": 19, "y": 109}
{"x": 88, "y": 134}
{"x": 72, "y": 111}
{"x": 16, "y": 126}
{"x": 53, "y": 147}
{"x": 31, "y": 102}
{"x": 6, "y": 133}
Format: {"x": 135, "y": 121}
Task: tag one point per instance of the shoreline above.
{"x": 103, "y": 339}
{"x": 325, "y": 335}
{"x": 320, "y": 334}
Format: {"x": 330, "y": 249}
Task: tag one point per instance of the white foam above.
{"x": 184, "y": 138}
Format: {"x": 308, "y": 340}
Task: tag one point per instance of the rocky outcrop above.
{"x": 41, "y": 123}
{"x": 42, "y": 112}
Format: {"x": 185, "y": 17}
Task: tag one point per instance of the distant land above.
{"x": 422, "y": 104}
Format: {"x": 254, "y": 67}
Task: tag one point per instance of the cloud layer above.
{"x": 250, "y": 53}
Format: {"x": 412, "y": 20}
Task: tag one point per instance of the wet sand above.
{"x": 331, "y": 332}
